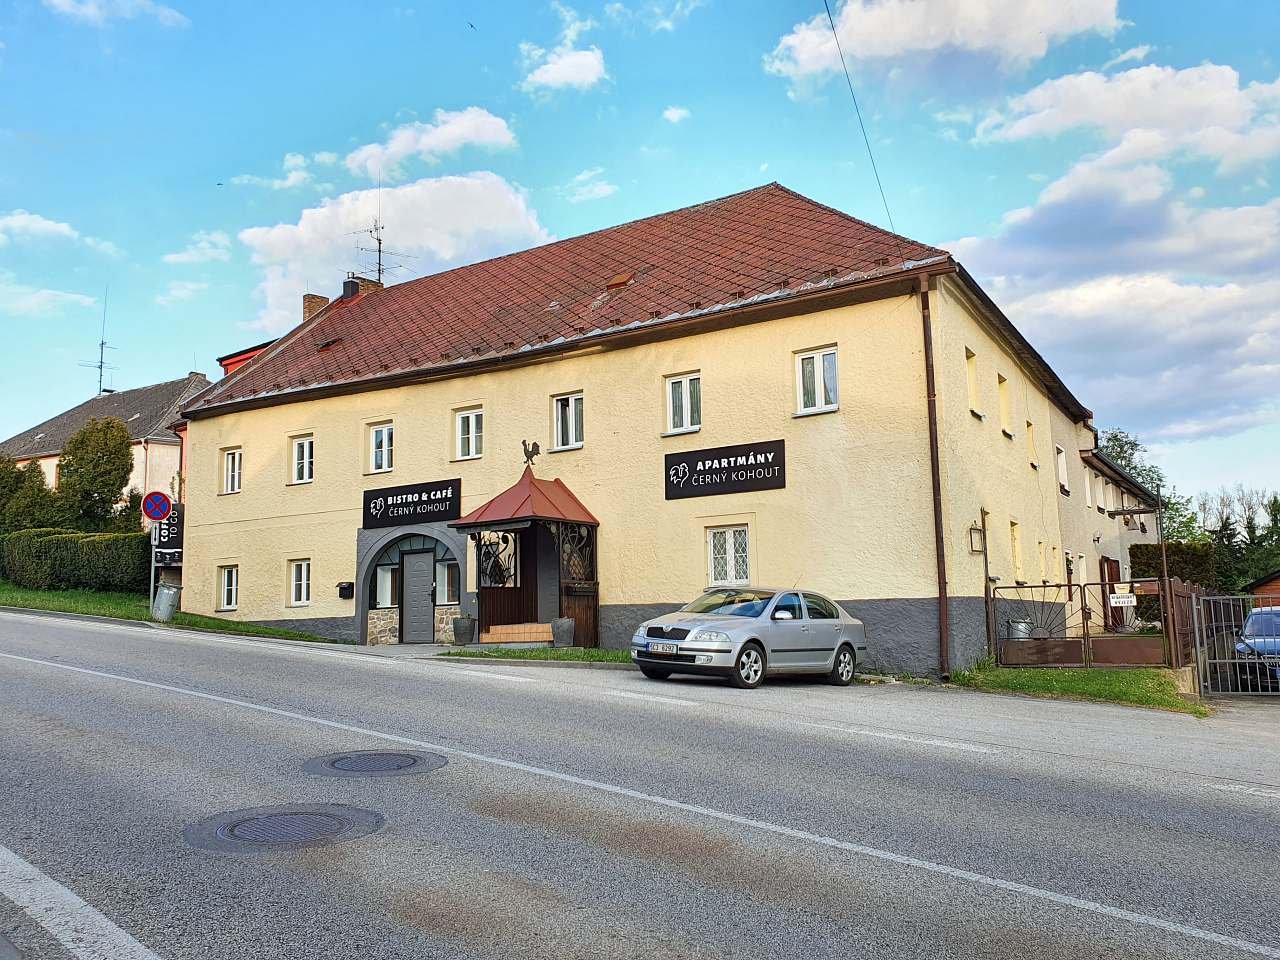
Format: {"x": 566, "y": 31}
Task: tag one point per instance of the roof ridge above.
{"x": 858, "y": 220}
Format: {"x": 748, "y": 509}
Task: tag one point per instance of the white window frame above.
{"x": 387, "y": 430}
{"x": 1032, "y": 453}
{"x": 971, "y": 381}
{"x": 821, "y": 404}
{"x": 1015, "y": 550}
{"x": 300, "y": 582}
{"x": 441, "y": 597}
{"x": 576, "y": 421}
{"x": 1004, "y": 403}
{"x": 1060, "y": 463}
{"x": 683, "y": 385}
{"x": 232, "y": 470}
{"x": 1088, "y": 489}
{"x": 303, "y": 467}
{"x": 733, "y": 579}
{"x": 228, "y": 587}
{"x": 473, "y": 419}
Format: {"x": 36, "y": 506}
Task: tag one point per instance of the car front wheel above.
{"x": 842, "y": 669}
{"x": 656, "y": 673}
{"x": 748, "y": 668}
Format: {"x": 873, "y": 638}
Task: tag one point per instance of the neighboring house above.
{"x": 147, "y": 412}
{"x": 1265, "y": 586}
{"x": 755, "y": 389}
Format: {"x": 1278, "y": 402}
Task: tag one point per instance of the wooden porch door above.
{"x": 1110, "y": 575}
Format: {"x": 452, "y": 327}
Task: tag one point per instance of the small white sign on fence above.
{"x": 1123, "y": 600}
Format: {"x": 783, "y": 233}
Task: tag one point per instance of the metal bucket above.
{"x": 1018, "y": 630}
{"x": 166, "y": 602}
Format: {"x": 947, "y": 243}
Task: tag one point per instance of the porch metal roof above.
{"x": 529, "y": 499}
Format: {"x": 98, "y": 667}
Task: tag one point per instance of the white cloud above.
{"x": 99, "y": 13}
{"x": 1012, "y": 32}
{"x": 325, "y": 158}
{"x": 1152, "y": 112}
{"x": 294, "y": 168}
{"x": 205, "y": 245}
{"x": 566, "y": 65}
{"x": 180, "y": 290}
{"x": 22, "y": 225}
{"x": 443, "y": 221}
{"x": 21, "y": 300}
{"x": 675, "y": 114}
{"x": 588, "y": 185}
{"x": 654, "y": 15}
{"x": 1132, "y": 55}
{"x": 449, "y": 131}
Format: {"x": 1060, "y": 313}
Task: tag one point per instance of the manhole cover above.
{"x": 373, "y": 763}
{"x": 286, "y": 827}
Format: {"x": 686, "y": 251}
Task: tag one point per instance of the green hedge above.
{"x": 1190, "y": 562}
{"x": 52, "y": 559}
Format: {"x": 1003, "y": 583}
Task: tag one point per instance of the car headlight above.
{"x": 639, "y": 637}
{"x": 713, "y": 636}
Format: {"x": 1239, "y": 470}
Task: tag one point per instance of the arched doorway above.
{"x": 414, "y": 585}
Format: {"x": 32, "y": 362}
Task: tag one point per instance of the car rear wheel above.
{"x": 748, "y": 668}
{"x": 656, "y": 673}
{"x": 842, "y": 669}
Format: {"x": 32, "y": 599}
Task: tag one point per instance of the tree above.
{"x": 10, "y": 481}
{"x": 95, "y": 466}
{"x": 32, "y": 504}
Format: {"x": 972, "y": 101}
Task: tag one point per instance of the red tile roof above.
{"x": 530, "y": 499}
{"x": 754, "y": 246}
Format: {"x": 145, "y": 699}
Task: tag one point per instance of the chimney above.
{"x": 312, "y": 303}
{"x": 354, "y": 285}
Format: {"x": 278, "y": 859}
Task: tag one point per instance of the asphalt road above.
{"x": 597, "y": 814}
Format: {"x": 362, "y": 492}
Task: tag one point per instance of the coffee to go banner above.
{"x": 741, "y": 468}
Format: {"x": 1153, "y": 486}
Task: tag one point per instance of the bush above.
{"x": 1191, "y": 562}
{"x": 53, "y": 559}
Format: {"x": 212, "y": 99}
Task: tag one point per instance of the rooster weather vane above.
{"x": 530, "y": 451}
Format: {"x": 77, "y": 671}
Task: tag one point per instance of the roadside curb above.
{"x": 517, "y": 662}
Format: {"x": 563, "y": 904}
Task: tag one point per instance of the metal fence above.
{"x": 1130, "y": 623}
{"x": 1238, "y": 644}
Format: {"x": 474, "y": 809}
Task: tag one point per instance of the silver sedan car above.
{"x": 744, "y": 633}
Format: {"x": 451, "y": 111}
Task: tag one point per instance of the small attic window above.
{"x": 133, "y": 418}
{"x": 326, "y": 344}
{"x": 620, "y": 280}
{"x": 38, "y": 436}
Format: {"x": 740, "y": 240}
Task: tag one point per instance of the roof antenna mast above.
{"x": 101, "y": 364}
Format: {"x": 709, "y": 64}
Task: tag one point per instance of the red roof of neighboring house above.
{"x": 530, "y": 499}
{"x": 763, "y": 244}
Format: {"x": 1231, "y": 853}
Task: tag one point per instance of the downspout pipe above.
{"x": 935, "y": 472}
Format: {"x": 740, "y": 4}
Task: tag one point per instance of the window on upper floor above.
{"x": 567, "y": 412}
{"x": 684, "y": 403}
{"x": 1002, "y": 394}
{"x": 1060, "y": 460}
{"x": 304, "y": 459}
{"x": 232, "y": 465}
{"x": 469, "y": 434}
{"x": 971, "y": 381}
{"x": 1088, "y": 489}
{"x": 1032, "y": 456}
{"x": 382, "y": 447}
{"x": 299, "y": 583}
{"x": 817, "y": 381}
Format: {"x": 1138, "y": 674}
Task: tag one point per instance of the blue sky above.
{"x": 1106, "y": 169}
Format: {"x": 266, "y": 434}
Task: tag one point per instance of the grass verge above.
{"x": 132, "y": 606}
{"x": 576, "y": 654}
{"x": 1140, "y": 686}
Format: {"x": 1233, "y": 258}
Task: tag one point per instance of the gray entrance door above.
{"x": 417, "y": 597}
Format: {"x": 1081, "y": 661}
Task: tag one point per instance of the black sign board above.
{"x": 413, "y": 503}
{"x": 740, "y": 468}
{"x": 166, "y": 538}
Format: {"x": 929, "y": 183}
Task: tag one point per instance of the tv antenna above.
{"x": 101, "y": 364}
{"x": 375, "y": 232}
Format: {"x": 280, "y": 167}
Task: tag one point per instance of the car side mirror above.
{"x": 782, "y": 615}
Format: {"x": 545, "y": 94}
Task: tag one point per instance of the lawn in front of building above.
{"x": 133, "y": 606}
{"x": 1139, "y": 686}
{"x": 575, "y": 654}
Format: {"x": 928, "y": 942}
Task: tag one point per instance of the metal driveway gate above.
{"x": 1238, "y": 645}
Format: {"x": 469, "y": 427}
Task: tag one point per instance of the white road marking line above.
{"x": 650, "y": 696}
{"x": 469, "y": 671}
{"x": 1244, "y": 788}
{"x": 905, "y": 737}
{"x": 710, "y": 813}
{"x": 84, "y": 932}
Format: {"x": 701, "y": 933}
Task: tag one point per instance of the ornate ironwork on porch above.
{"x": 535, "y": 549}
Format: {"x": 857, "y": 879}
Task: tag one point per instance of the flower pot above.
{"x": 464, "y": 630}
{"x": 562, "y": 632}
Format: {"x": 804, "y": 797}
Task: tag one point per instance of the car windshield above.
{"x": 1263, "y": 625}
{"x": 734, "y": 603}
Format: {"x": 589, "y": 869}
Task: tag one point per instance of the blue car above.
{"x": 1258, "y": 649}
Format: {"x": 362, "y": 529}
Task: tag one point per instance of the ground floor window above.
{"x": 728, "y": 556}
{"x": 386, "y": 587}
{"x": 299, "y": 582}
{"x": 228, "y": 588}
{"x": 448, "y": 582}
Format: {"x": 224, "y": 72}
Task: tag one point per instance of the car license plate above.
{"x": 663, "y": 648}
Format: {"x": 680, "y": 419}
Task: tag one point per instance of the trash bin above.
{"x": 1018, "y": 630}
{"x": 166, "y": 603}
